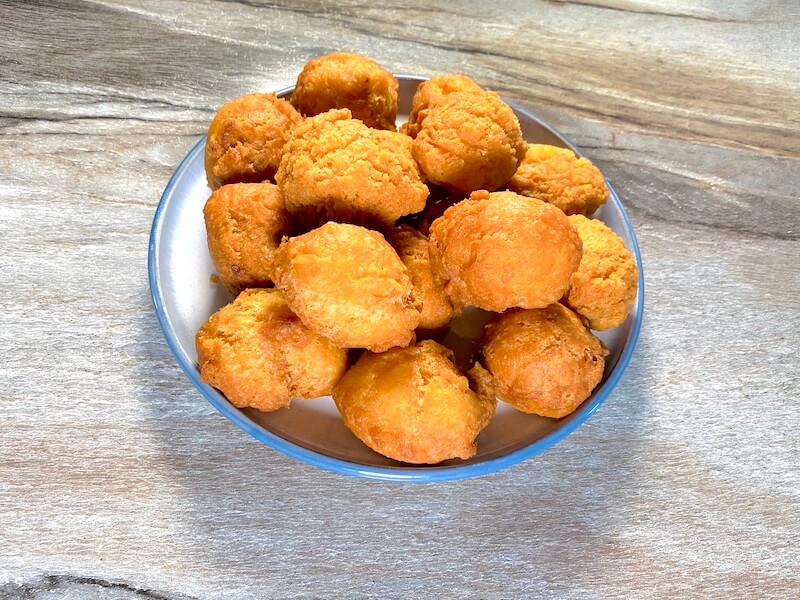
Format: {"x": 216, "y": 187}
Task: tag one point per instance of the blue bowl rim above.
{"x": 427, "y": 474}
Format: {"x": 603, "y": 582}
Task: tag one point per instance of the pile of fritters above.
{"x": 340, "y": 237}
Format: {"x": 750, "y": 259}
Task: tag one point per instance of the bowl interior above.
{"x": 312, "y": 430}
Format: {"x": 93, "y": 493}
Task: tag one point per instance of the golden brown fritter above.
{"x": 244, "y": 225}
{"x": 557, "y": 176}
{"x": 501, "y": 250}
{"x": 412, "y": 248}
{"x": 337, "y": 168}
{"x": 245, "y": 140}
{"x": 348, "y": 284}
{"x": 259, "y": 354}
{"x": 603, "y": 288}
{"x": 470, "y": 141}
{"x": 544, "y": 361}
{"x": 431, "y": 93}
{"x": 412, "y": 405}
{"x": 345, "y": 80}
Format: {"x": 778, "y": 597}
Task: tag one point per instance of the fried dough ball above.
{"x": 412, "y": 248}
{"x": 470, "y": 141}
{"x": 544, "y": 361}
{"x": 244, "y": 224}
{"x": 245, "y": 140}
{"x": 345, "y": 80}
{"x": 258, "y": 353}
{"x": 501, "y": 250}
{"x": 557, "y": 176}
{"x": 411, "y": 404}
{"x": 337, "y": 168}
{"x": 603, "y": 288}
{"x": 431, "y": 93}
{"x": 348, "y": 284}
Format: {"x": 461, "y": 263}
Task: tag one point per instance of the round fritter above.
{"x": 412, "y": 248}
{"x": 470, "y": 141}
{"x": 604, "y": 287}
{"x": 244, "y": 225}
{"x": 348, "y": 284}
{"x": 337, "y": 168}
{"x": 557, "y": 176}
{"x": 544, "y": 361}
{"x": 259, "y": 354}
{"x": 431, "y": 93}
{"x": 245, "y": 140}
{"x": 345, "y": 80}
{"x": 501, "y": 250}
{"x": 411, "y": 404}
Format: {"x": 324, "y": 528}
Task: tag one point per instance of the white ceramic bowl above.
{"x": 180, "y": 272}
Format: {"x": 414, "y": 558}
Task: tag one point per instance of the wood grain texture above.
{"x": 117, "y": 480}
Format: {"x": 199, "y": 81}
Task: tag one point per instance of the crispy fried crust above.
{"x": 604, "y": 287}
{"x": 413, "y": 405}
{"x": 432, "y": 93}
{"x": 469, "y": 141}
{"x": 501, "y": 250}
{"x": 348, "y": 284}
{"x": 345, "y": 80}
{"x": 245, "y": 140}
{"x": 543, "y": 361}
{"x": 337, "y": 168}
{"x": 412, "y": 248}
{"x": 557, "y": 176}
{"x": 259, "y": 354}
{"x": 244, "y": 225}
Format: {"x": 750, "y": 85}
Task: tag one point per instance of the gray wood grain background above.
{"x": 117, "y": 480}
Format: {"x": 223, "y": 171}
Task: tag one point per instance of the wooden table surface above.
{"x": 118, "y": 480}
